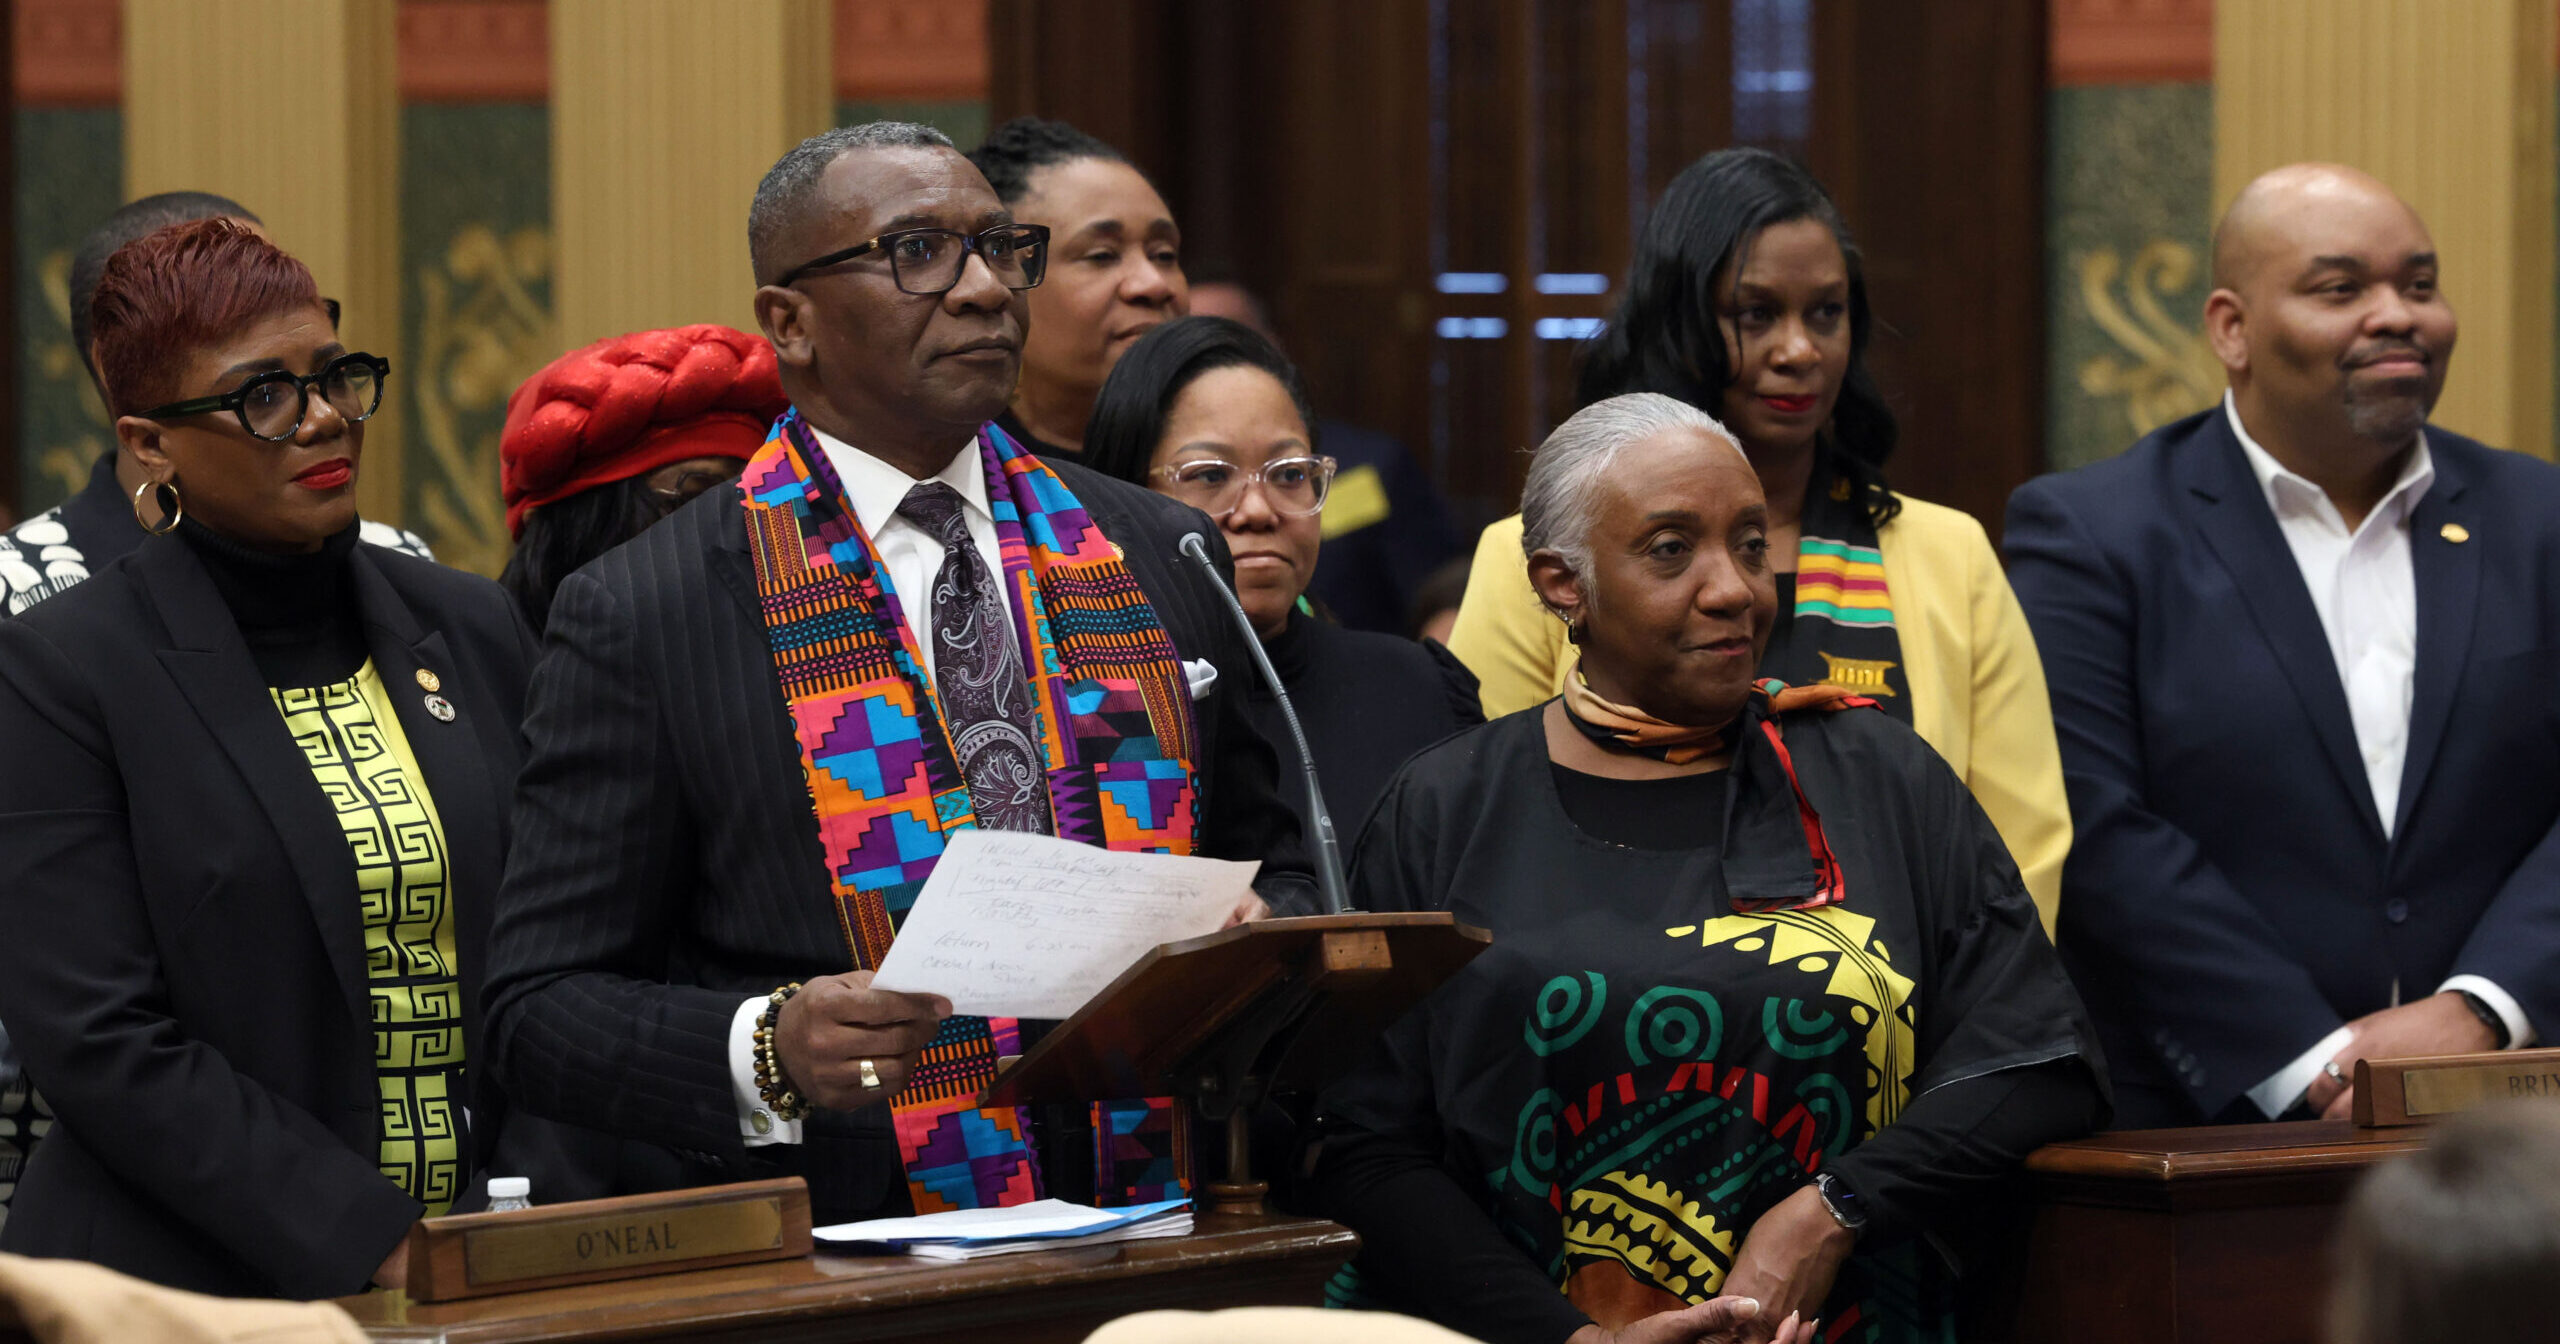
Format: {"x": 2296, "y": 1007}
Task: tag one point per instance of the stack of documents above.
{"x": 1043, "y": 1225}
{"x": 1016, "y": 925}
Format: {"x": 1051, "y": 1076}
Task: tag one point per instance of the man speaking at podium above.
{"x": 754, "y": 726}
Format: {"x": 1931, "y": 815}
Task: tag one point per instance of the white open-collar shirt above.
{"x": 2364, "y": 584}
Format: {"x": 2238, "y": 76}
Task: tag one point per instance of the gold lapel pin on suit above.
{"x": 437, "y": 705}
{"x": 2455, "y": 533}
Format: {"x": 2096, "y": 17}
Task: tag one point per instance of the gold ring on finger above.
{"x": 870, "y": 1075}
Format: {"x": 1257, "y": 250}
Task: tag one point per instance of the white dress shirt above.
{"x": 2365, "y": 588}
{"x": 913, "y": 557}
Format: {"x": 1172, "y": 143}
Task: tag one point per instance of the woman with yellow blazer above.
{"x": 1746, "y": 299}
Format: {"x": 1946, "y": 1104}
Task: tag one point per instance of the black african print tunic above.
{"x": 351, "y": 737}
{"x": 1638, "y": 1068}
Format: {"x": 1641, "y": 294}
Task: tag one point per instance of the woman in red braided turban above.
{"x": 611, "y": 438}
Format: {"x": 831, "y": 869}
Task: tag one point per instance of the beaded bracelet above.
{"x": 772, "y": 1084}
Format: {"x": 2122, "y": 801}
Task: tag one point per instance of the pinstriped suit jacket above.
{"x": 666, "y": 862}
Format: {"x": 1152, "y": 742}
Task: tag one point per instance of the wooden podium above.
{"x": 2178, "y": 1236}
{"x": 1217, "y": 1022}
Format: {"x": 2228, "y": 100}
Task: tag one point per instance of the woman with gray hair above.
{"x": 1767, "y": 1001}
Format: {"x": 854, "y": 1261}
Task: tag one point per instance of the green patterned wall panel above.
{"x": 2130, "y": 200}
{"x": 475, "y": 261}
{"x": 964, "y": 122}
{"x": 70, "y": 170}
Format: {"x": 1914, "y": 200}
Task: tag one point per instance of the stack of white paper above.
{"x": 1043, "y": 1225}
{"x": 1016, "y": 925}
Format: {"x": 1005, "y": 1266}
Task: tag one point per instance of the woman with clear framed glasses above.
{"x": 253, "y": 822}
{"x": 1207, "y": 411}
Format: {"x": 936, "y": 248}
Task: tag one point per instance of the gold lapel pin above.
{"x": 429, "y": 681}
{"x": 441, "y": 708}
{"x": 2455, "y": 533}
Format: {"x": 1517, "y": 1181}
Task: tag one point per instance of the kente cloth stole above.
{"x": 1113, "y": 721}
{"x": 1841, "y": 631}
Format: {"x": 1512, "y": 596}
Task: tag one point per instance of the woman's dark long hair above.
{"x": 1129, "y": 412}
{"x": 560, "y": 537}
{"x": 1664, "y": 336}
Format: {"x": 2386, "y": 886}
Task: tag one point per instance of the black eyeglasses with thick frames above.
{"x": 271, "y": 406}
{"x": 929, "y": 261}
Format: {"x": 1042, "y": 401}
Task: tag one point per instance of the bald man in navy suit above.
{"x": 2302, "y": 653}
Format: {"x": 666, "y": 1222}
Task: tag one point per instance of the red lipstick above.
{"x": 1789, "y": 405}
{"x": 329, "y": 475}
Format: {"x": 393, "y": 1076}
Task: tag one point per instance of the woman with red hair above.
{"x": 254, "y": 819}
{"x": 607, "y": 440}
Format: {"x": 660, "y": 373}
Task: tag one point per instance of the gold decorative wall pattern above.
{"x": 2127, "y": 220}
{"x": 482, "y": 329}
{"x": 63, "y": 464}
{"x": 2162, "y": 368}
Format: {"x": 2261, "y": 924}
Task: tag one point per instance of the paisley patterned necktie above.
{"x": 978, "y": 678}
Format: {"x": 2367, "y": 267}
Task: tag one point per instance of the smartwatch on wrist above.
{"x": 2488, "y": 1017}
{"x": 1842, "y": 1203}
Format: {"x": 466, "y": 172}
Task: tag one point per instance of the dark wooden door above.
{"x": 1439, "y": 197}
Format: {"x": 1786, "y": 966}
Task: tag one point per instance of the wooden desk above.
{"x": 2177, "y": 1235}
{"x": 1041, "y": 1296}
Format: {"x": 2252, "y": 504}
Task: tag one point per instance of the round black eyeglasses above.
{"x": 272, "y": 406}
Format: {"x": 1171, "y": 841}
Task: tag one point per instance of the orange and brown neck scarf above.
{"x": 1621, "y": 727}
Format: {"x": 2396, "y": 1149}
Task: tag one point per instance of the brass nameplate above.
{"x": 2445, "y": 1091}
{"x": 610, "y": 1242}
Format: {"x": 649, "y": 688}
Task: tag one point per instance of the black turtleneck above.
{"x": 297, "y": 612}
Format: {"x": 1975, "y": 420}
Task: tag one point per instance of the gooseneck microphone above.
{"x": 1329, "y": 884}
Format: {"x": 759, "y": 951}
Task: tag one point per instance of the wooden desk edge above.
{"x": 2222, "y": 1153}
{"x": 734, "y": 1297}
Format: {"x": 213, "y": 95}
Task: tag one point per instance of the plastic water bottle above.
{"x": 508, "y": 1193}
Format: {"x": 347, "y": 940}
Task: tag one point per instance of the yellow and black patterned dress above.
{"x": 351, "y": 738}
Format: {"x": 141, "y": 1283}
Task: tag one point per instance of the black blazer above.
{"x": 184, "y": 966}
{"x": 2231, "y": 896}
{"x": 667, "y": 863}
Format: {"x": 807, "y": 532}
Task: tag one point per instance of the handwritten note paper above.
{"x": 1015, "y": 925}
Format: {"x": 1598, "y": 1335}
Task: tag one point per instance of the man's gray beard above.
{"x": 2392, "y": 418}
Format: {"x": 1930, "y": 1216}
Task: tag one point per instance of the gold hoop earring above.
{"x": 172, "y": 508}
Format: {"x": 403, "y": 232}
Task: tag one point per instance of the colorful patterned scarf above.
{"x": 1609, "y": 723}
{"x": 1631, "y": 729}
{"x": 1841, "y": 631}
{"x": 1113, "y": 719}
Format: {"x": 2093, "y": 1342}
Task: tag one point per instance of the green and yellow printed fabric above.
{"x": 351, "y": 738}
{"x": 1702, "y": 1106}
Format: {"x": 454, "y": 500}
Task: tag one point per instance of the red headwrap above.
{"x": 626, "y": 406}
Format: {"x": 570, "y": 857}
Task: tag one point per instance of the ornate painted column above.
{"x": 2450, "y": 102}
{"x": 664, "y": 116}
{"x": 290, "y": 107}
